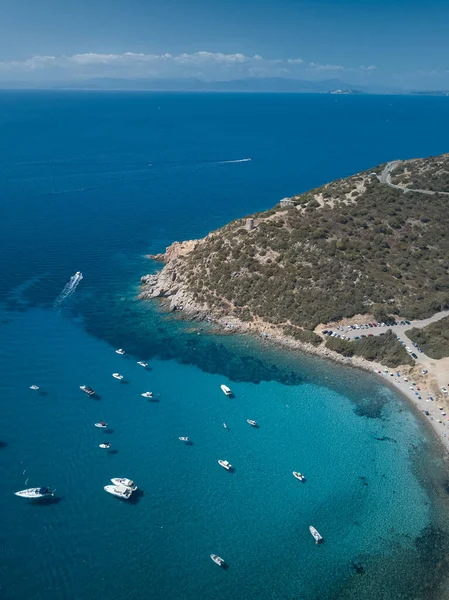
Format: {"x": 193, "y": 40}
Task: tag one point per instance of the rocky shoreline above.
{"x": 168, "y": 286}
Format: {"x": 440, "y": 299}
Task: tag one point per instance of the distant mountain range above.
{"x": 252, "y": 84}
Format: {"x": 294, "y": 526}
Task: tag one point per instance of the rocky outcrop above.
{"x": 167, "y": 283}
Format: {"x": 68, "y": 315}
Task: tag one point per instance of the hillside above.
{"x": 354, "y": 246}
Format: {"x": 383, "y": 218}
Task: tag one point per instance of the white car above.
{"x": 444, "y": 390}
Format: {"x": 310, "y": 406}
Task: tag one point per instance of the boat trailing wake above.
{"x": 69, "y": 288}
{"x": 228, "y": 162}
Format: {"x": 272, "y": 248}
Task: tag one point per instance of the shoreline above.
{"x": 418, "y": 395}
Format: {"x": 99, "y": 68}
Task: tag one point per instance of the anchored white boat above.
{"x": 225, "y": 425}
{"x": 184, "y": 439}
{"x": 101, "y": 425}
{"x": 225, "y": 464}
{"x": 34, "y": 387}
{"x": 252, "y": 423}
{"x": 105, "y": 445}
{"x": 147, "y": 394}
{"x": 119, "y": 490}
{"x": 226, "y": 391}
{"x": 117, "y": 376}
{"x": 120, "y": 351}
{"x": 217, "y": 560}
{"x": 124, "y": 481}
{"x": 41, "y": 492}
{"x": 298, "y": 475}
{"x": 315, "y": 534}
{"x": 87, "y": 390}
{"x": 142, "y": 364}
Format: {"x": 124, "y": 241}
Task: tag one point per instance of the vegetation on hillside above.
{"x": 344, "y": 248}
{"x": 383, "y": 348}
{"x": 424, "y": 173}
{"x": 433, "y": 339}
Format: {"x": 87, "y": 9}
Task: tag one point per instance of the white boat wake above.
{"x": 228, "y": 162}
{"x": 69, "y": 288}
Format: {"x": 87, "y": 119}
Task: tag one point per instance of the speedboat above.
{"x": 298, "y": 475}
{"x": 147, "y": 394}
{"x": 142, "y": 364}
{"x": 217, "y": 560}
{"x": 119, "y": 490}
{"x": 225, "y": 464}
{"x": 105, "y": 445}
{"x": 184, "y": 439}
{"x": 252, "y": 423}
{"x": 78, "y": 274}
{"x": 87, "y": 390}
{"x": 315, "y": 534}
{"x": 34, "y": 387}
{"x": 225, "y": 390}
{"x": 117, "y": 376}
{"x": 120, "y": 351}
{"x": 123, "y": 481}
{"x": 225, "y": 425}
{"x": 41, "y": 492}
{"x": 101, "y": 425}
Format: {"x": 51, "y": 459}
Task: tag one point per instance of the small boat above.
{"x": 225, "y": 464}
{"x": 119, "y": 490}
{"x": 105, "y": 445}
{"x": 34, "y": 387}
{"x": 142, "y": 364}
{"x": 124, "y": 481}
{"x": 315, "y": 534}
{"x": 217, "y": 560}
{"x": 252, "y": 423}
{"x": 225, "y": 425}
{"x": 226, "y": 391}
{"x": 298, "y": 475}
{"x": 87, "y": 390}
{"x": 41, "y": 492}
{"x": 147, "y": 394}
{"x": 184, "y": 439}
{"x": 101, "y": 425}
{"x": 117, "y": 376}
{"x": 120, "y": 351}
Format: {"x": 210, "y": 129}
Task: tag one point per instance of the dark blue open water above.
{"x": 77, "y": 192}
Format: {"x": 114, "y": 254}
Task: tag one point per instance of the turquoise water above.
{"x": 79, "y": 195}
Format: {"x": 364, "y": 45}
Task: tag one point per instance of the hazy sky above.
{"x": 401, "y": 43}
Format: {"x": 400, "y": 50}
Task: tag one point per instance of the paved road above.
{"x": 385, "y": 177}
{"x": 398, "y": 330}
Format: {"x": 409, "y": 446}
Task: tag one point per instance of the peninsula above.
{"x": 370, "y": 251}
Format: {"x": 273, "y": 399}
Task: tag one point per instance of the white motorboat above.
{"x": 225, "y": 464}
{"x": 217, "y": 560}
{"x": 318, "y": 538}
{"x": 105, "y": 445}
{"x": 298, "y": 475}
{"x": 252, "y": 423}
{"x": 226, "y": 391}
{"x": 184, "y": 439}
{"x": 124, "y": 481}
{"x": 142, "y": 364}
{"x": 120, "y": 351}
{"x": 41, "y": 492}
{"x": 101, "y": 425}
{"x": 34, "y": 387}
{"x": 119, "y": 490}
{"x": 225, "y": 425}
{"x": 87, "y": 390}
{"x": 147, "y": 394}
{"x": 117, "y": 376}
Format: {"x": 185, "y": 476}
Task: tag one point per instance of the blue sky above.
{"x": 400, "y": 44}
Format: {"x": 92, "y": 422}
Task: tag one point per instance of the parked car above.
{"x": 324, "y": 332}
{"x": 407, "y": 323}
{"x": 420, "y": 349}
{"x": 370, "y": 335}
{"x": 356, "y": 337}
{"x": 414, "y": 355}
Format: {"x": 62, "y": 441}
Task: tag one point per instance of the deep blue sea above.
{"x": 92, "y": 182}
